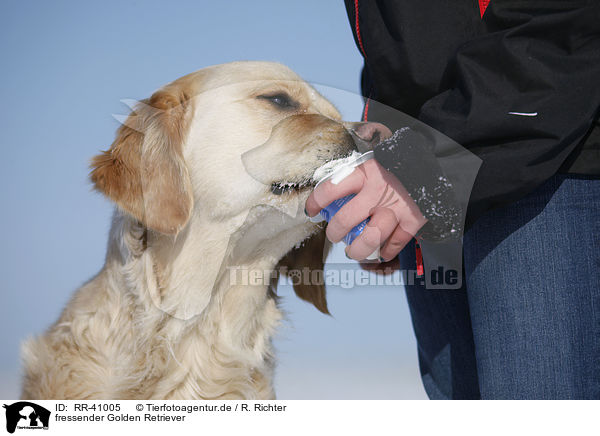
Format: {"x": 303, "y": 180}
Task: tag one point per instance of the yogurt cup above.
{"x": 336, "y": 171}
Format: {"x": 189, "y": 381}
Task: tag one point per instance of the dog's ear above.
{"x": 144, "y": 171}
{"x": 311, "y": 254}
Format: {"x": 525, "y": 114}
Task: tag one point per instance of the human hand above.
{"x": 395, "y": 217}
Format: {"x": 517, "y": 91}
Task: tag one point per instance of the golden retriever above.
{"x": 209, "y": 177}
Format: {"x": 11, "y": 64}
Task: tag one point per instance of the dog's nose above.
{"x": 368, "y": 135}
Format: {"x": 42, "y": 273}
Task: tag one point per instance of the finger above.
{"x": 383, "y": 222}
{"x": 349, "y": 216}
{"x": 412, "y": 222}
{"x": 396, "y": 242}
{"x": 327, "y": 192}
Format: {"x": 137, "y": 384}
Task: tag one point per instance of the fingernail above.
{"x": 374, "y": 255}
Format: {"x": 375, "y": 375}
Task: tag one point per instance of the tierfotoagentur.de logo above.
{"x": 26, "y": 415}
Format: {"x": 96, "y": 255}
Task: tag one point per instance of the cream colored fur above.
{"x": 161, "y": 319}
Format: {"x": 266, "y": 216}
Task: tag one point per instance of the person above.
{"x": 517, "y": 85}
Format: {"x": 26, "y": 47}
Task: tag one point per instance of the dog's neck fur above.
{"x": 214, "y": 335}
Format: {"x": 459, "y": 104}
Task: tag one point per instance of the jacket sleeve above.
{"x": 523, "y": 96}
{"x": 409, "y": 155}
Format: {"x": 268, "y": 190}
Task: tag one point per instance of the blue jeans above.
{"x": 526, "y": 323}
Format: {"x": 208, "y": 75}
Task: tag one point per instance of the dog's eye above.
{"x": 280, "y": 100}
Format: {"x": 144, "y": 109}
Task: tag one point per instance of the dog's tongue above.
{"x": 330, "y": 167}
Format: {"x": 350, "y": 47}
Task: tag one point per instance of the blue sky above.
{"x": 66, "y": 66}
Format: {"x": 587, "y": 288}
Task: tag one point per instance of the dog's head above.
{"x": 222, "y": 142}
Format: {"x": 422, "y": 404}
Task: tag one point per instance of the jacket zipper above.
{"x": 418, "y": 252}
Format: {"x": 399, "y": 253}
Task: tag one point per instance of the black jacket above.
{"x": 518, "y": 87}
